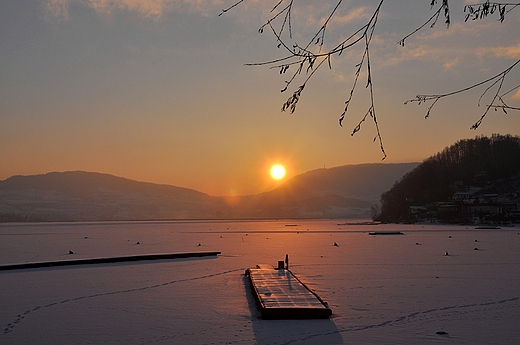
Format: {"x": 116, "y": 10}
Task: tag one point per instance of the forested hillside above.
{"x": 483, "y": 162}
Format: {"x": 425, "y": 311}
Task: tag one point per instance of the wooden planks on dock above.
{"x": 280, "y": 295}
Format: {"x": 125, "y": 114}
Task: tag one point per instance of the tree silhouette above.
{"x": 301, "y": 62}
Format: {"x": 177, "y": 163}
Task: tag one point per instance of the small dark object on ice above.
{"x": 446, "y": 253}
{"x": 476, "y": 240}
{"x": 441, "y": 333}
{"x": 198, "y": 245}
{"x": 138, "y": 242}
{"x": 335, "y": 244}
{"x": 71, "y": 252}
{"x": 417, "y": 244}
{"x": 475, "y": 248}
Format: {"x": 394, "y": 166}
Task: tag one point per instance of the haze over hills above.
{"x": 346, "y": 191}
{"x": 82, "y": 196}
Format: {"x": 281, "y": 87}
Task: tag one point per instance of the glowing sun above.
{"x": 277, "y": 171}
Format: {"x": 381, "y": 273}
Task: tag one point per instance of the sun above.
{"x": 277, "y": 171}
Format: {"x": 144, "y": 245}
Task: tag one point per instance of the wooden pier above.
{"x": 280, "y": 295}
{"x": 145, "y": 257}
{"x": 375, "y": 233}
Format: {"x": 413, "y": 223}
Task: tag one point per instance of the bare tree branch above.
{"x": 491, "y": 82}
{"x": 482, "y": 10}
{"x": 433, "y": 19}
{"x": 305, "y": 60}
{"x": 231, "y": 7}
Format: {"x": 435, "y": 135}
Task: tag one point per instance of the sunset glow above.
{"x": 157, "y": 91}
{"x": 277, "y": 171}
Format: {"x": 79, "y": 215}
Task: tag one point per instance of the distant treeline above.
{"x": 475, "y": 162}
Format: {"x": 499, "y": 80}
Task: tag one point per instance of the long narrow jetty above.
{"x": 280, "y": 295}
{"x": 375, "y": 233}
{"x": 107, "y": 260}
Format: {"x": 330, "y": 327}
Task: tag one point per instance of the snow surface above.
{"x": 393, "y": 289}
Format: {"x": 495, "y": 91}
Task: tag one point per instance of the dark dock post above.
{"x": 286, "y": 261}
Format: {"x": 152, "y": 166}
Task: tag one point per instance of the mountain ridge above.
{"x": 339, "y": 192}
{"x": 69, "y": 179}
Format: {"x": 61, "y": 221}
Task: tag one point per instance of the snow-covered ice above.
{"x": 399, "y": 289}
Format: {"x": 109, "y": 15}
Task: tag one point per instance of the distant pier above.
{"x": 375, "y": 233}
{"x": 106, "y": 260}
{"x": 280, "y": 295}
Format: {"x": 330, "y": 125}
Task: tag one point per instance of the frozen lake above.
{"x": 382, "y": 289}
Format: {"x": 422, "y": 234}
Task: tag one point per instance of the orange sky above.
{"x": 158, "y": 91}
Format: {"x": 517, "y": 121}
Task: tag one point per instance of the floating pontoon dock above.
{"x": 280, "y": 295}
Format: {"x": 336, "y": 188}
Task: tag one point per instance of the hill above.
{"x": 470, "y": 181}
{"x": 347, "y": 191}
{"x": 87, "y": 196}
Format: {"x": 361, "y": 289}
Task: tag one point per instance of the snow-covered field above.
{"x": 399, "y": 289}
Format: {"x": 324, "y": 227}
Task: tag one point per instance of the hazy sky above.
{"x": 157, "y": 91}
